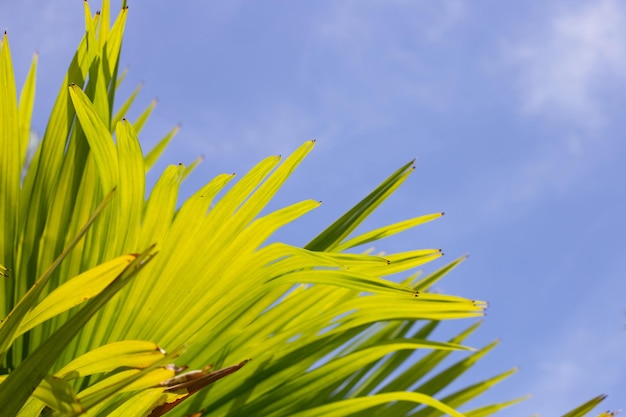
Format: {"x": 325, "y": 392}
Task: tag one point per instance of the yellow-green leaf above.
{"x": 75, "y": 291}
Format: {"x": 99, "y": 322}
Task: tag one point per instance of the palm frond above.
{"x": 99, "y": 286}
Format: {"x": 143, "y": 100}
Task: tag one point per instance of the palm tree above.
{"x": 109, "y": 299}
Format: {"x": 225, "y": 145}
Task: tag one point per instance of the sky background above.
{"x": 514, "y": 111}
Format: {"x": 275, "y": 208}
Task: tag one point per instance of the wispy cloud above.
{"x": 569, "y": 69}
{"x": 45, "y": 27}
{"x": 573, "y": 59}
{"x": 357, "y": 21}
{"x": 359, "y": 61}
{"x": 587, "y": 360}
{"x": 279, "y": 127}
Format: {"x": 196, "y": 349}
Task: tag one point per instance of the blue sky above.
{"x": 514, "y": 111}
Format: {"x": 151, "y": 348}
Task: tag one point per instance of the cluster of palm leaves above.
{"x": 118, "y": 305}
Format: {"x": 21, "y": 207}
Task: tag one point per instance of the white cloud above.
{"x": 375, "y": 56}
{"x": 278, "y": 127}
{"x": 579, "y": 352}
{"x": 354, "y": 25}
{"x": 569, "y": 67}
{"x": 583, "y": 363}
{"x": 48, "y": 26}
{"x": 453, "y": 12}
{"x": 553, "y": 169}
{"x": 566, "y": 67}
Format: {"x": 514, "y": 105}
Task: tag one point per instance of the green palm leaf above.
{"x": 266, "y": 328}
